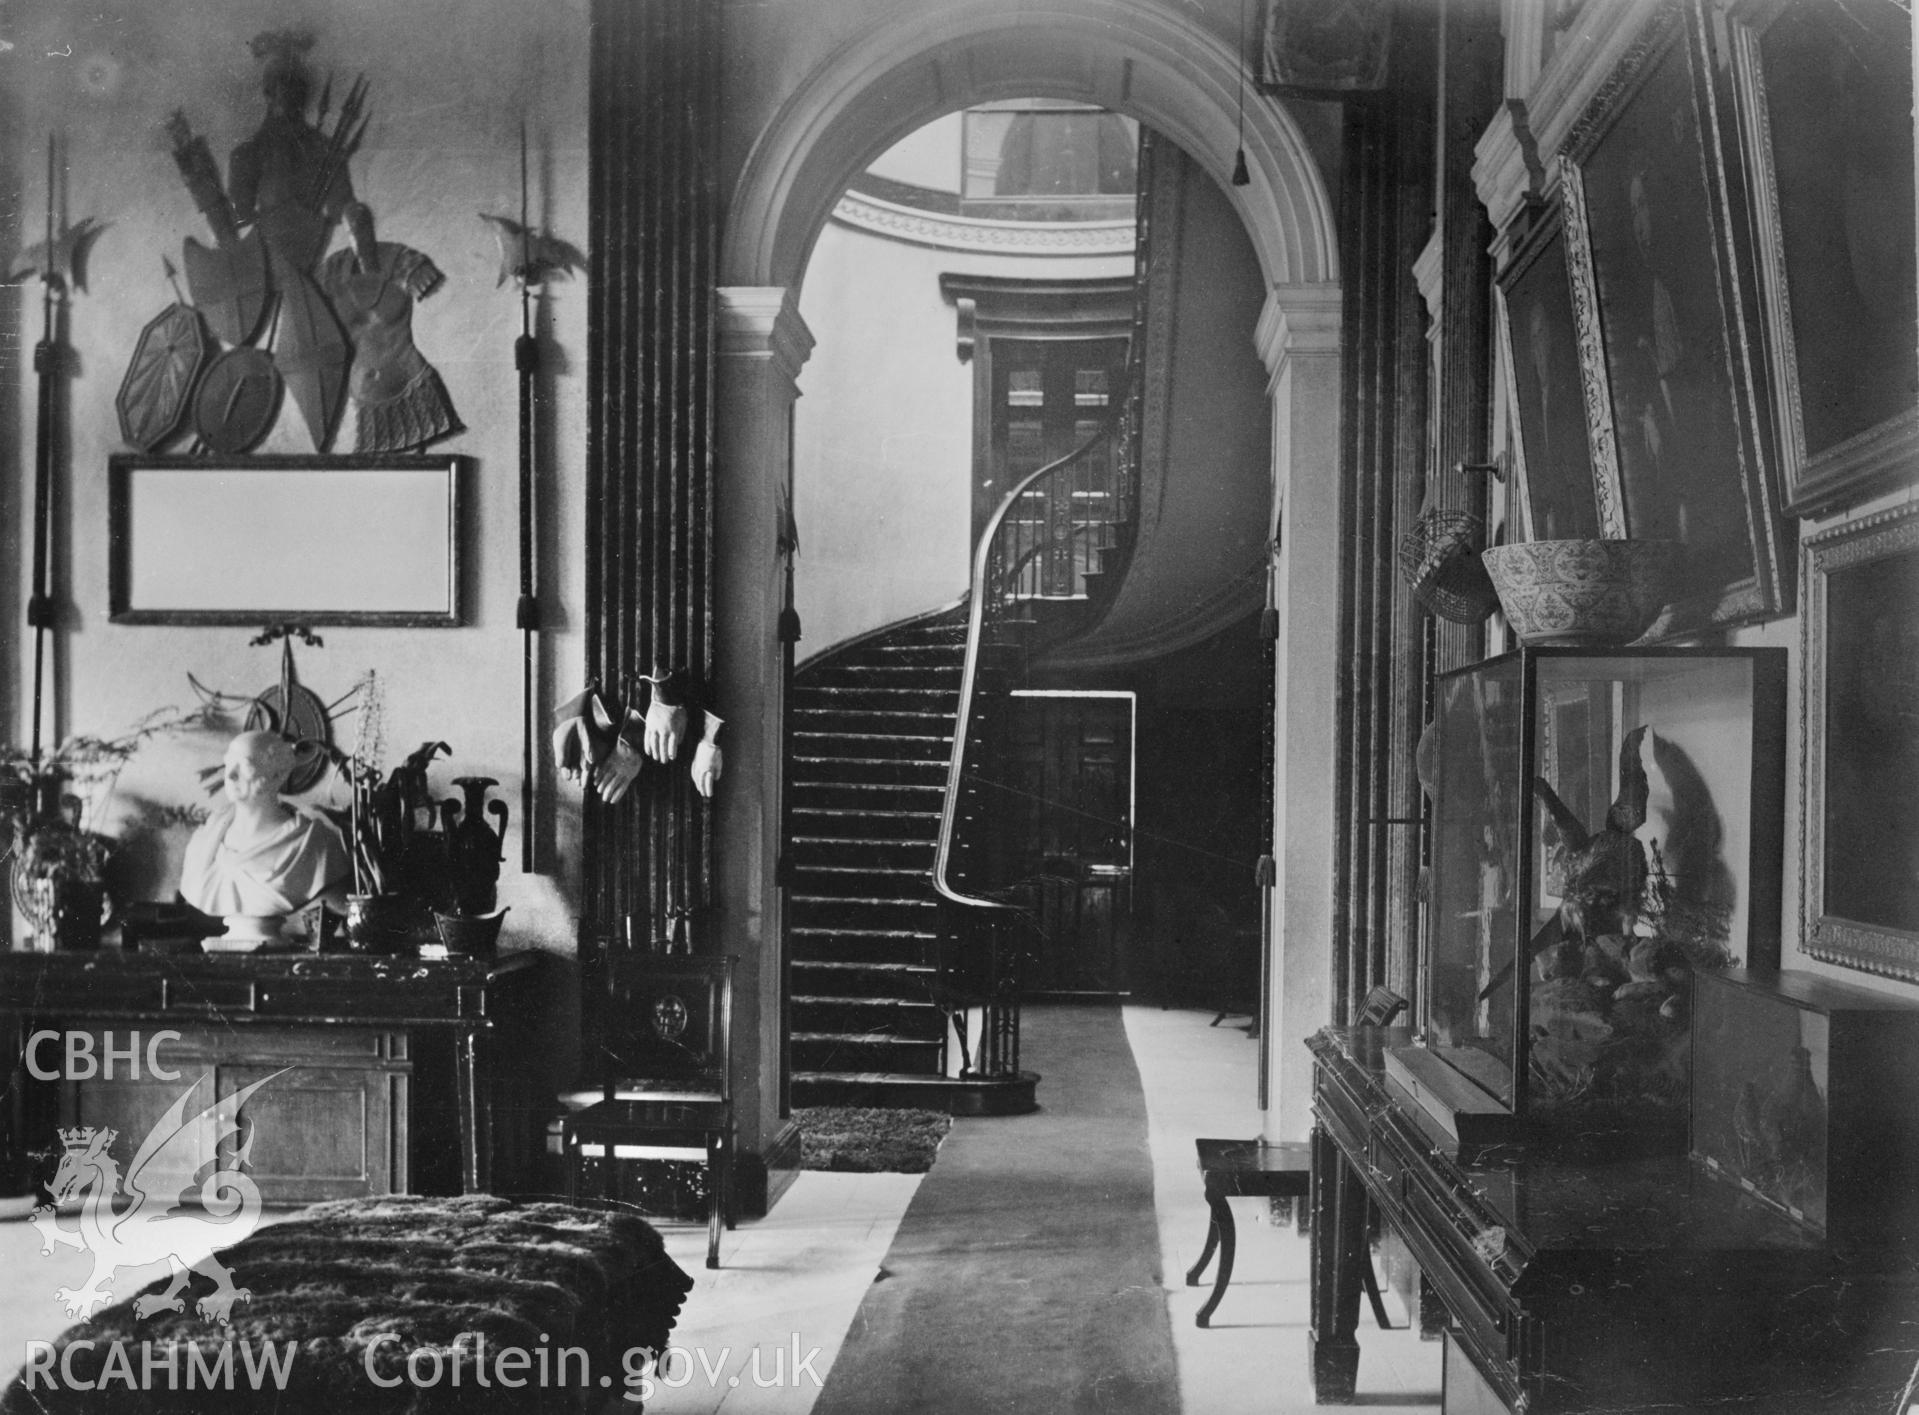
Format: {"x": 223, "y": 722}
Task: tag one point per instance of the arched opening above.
{"x": 979, "y": 312}
{"x": 1171, "y": 73}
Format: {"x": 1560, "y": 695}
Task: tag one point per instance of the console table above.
{"x": 1586, "y": 1286}
{"x": 385, "y": 1085}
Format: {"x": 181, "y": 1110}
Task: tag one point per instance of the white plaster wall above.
{"x": 449, "y": 84}
{"x": 883, "y": 433}
{"x": 929, "y": 156}
{"x": 1702, "y": 713}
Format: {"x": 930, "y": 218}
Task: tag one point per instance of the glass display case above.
{"x": 1803, "y": 1094}
{"x": 1605, "y": 824}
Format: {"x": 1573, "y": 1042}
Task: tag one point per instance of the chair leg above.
{"x": 715, "y": 1197}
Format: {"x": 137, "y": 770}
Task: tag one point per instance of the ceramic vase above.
{"x": 67, "y": 913}
{"x": 473, "y": 846}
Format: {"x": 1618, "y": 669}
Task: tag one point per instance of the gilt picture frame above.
{"x": 1542, "y": 351}
{"x": 360, "y": 540}
{"x": 1824, "y": 97}
{"x": 1670, "y": 369}
{"x": 1859, "y": 767}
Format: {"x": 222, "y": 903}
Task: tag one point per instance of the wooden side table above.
{"x": 1241, "y": 1168}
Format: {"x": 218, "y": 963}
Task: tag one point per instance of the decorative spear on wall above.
{"x": 58, "y": 261}
{"x": 530, "y": 259}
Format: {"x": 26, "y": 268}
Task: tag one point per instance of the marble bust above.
{"x": 257, "y": 860}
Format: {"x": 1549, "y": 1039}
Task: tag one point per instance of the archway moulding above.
{"x": 1147, "y": 58}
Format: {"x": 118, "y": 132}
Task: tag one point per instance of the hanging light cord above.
{"x": 1241, "y": 177}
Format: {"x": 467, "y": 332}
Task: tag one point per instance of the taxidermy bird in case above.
{"x": 1604, "y": 871}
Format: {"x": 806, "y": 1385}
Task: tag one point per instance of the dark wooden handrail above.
{"x": 987, "y": 607}
{"x": 1011, "y": 568}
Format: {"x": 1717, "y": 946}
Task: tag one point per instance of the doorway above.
{"x": 1070, "y": 812}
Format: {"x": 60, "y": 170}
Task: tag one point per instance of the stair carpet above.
{"x": 872, "y": 735}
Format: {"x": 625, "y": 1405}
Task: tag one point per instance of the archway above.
{"x": 931, "y": 57}
{"x": 1169, "y": 70}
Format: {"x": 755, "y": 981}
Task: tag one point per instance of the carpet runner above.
{"x": 1025, "y": 1275}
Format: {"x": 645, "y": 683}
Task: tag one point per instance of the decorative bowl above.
{"x": 1585, "y": 593}
{"x": 474, "y": 934}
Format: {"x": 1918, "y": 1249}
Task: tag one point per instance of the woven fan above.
{"x": 1439, "y": 557}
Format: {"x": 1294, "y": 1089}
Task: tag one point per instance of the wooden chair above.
{"x": 667, "y": 1089}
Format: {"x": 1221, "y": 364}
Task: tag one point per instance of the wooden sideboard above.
{"x": 1595, "y": 1284}
{"x": 383, "y": 1081}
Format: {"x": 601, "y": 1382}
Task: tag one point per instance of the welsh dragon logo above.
{"x": 154, "y": 1223}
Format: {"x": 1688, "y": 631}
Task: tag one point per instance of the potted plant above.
{"x": 375, "y": 911}
{"x": 378, "y": 912}
{"x": 48, "y": 807}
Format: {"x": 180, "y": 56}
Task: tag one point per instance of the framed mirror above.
{"x": 321, "y": 540}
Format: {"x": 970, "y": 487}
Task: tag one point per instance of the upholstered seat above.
{"x": 394, "y": 1304}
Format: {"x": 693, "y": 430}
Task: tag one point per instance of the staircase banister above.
{"x": 969, "y": 674}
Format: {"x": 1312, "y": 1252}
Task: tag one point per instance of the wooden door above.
{"x": 1050, "y": 396}
{"x": 1072, "y": 804}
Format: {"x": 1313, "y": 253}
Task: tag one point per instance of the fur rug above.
{"x": 870, "y": 1139}
{"x": 458, "y": 1281}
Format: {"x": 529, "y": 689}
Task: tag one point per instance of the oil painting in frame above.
{"x": 361, "y": 540}
{"x": 1824, "y": 98}
{"x": 1542, "y": 352}
{"x": 1678, "y": 449}
{"x": 1859, "y": 805}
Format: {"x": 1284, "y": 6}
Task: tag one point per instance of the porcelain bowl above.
{"x": 1584, "y": 593}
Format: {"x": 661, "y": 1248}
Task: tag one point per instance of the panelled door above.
{"x": 1049, "y": 396}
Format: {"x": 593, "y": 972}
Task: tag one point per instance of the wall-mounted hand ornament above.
{"x": 707, "y": 759}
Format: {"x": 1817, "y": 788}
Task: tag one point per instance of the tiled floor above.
{"x": 792, "y": 1281}
{"x": 1200, "y": 1081}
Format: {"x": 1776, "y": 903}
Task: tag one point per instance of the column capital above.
{"x": 763, "y": 321}
{"x": 1298, "y": 319}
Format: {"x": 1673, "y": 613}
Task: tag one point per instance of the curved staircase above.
{"x": 872, "y": 738}
{"x": 902, "y": 928}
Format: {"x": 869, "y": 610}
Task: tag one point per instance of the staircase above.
{"x": 872, "y": 735}
{"x": 897, "y": 910}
